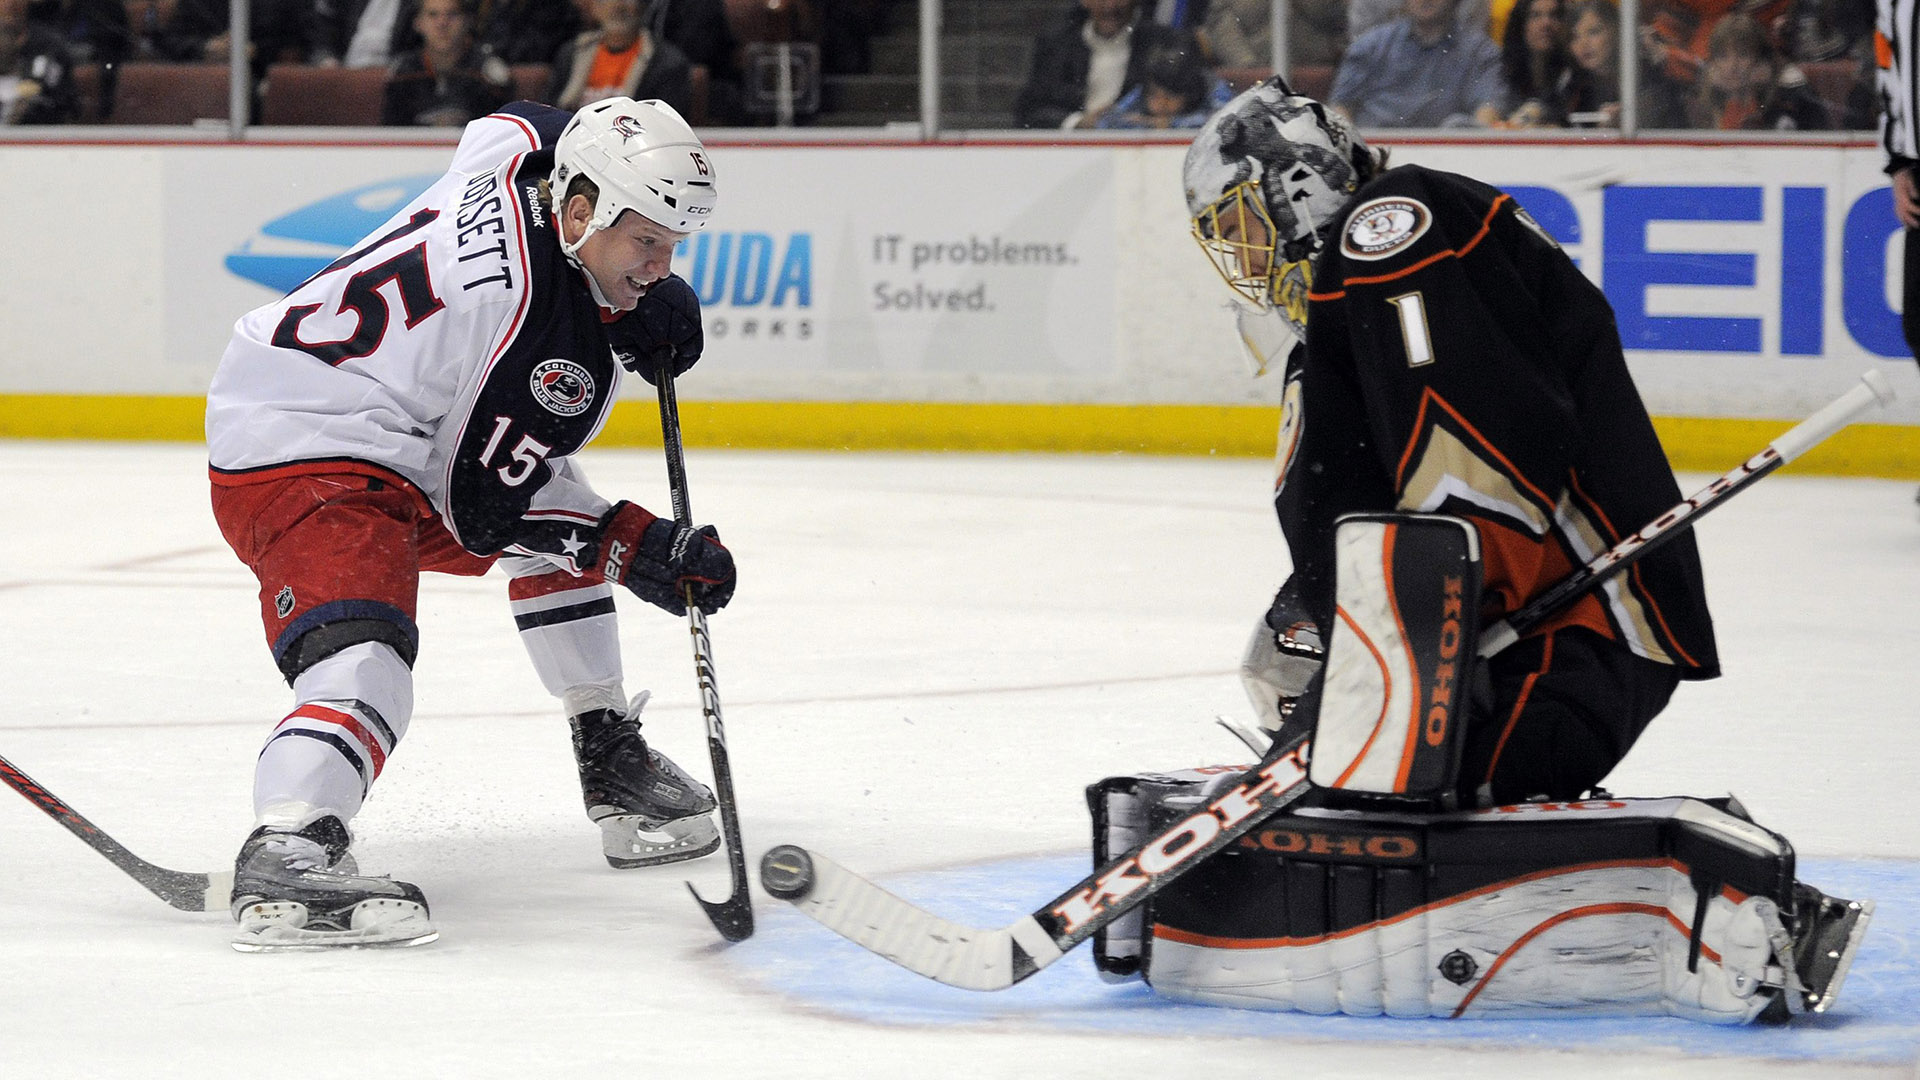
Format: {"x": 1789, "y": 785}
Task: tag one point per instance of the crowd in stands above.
{"x": 1775, "y": 65}
{"x": 444, "y": 61}
{"x": 1509, "y": 64}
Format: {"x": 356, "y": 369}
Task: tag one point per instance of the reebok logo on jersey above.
{"x": 562, "y": 387}
{"x": 1381, "y": 227}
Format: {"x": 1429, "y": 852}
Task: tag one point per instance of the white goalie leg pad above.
{"x": 1599, "y": 941}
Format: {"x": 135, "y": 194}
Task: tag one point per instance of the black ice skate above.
{"x": 301, "y": 890}
{"x": 1826, "y": 934}
{"x": 649, "y": 810}
{"x": 1819, "y": 941}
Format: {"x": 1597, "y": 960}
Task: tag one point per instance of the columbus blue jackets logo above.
{"x": 562, "y": 387}
{"x": 1381, "y": 227}
{"x": 628, "y": 127}
{"x": 294, "y": 246}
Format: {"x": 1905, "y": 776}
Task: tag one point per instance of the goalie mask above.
{"x": 643, "y": 157}
{"x": 1266, "y": 180}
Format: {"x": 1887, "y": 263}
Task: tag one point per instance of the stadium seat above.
{"x": 304, "y": 95}
{"x": 161, "y": 93}
{"x": 86, "y": 84}
{"x": 1313, "y": 80}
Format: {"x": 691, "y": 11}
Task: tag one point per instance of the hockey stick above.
{"x": 994, "y": 959}
{"x": 188, "y": 892}
{"x": 733, "y": 917}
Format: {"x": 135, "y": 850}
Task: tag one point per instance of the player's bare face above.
{"x": 627, "y": 256}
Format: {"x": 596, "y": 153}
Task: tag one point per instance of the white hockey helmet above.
{"x": 1266, "y": 179}
{"x": 643, "y": 157}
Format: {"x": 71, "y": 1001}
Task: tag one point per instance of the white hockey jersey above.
{"x": 456, "y": 348}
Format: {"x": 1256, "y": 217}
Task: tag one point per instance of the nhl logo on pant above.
{"x": 283, "y": 601}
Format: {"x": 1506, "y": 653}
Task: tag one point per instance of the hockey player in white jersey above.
{"x": 416, "y": 405}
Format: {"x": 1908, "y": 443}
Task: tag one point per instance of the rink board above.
{"x": 1877, "y": 1020}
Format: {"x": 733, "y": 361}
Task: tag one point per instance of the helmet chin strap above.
{"x": 571, "y": 251}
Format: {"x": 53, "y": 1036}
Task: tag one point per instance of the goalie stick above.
{"x": 733, "y": 917}
{"x": 993, "y": 959}
{"x": 188, "y": 892}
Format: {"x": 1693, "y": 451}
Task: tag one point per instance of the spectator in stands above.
{"x": 449, "y": 81}
{"x": 621, "y": 59}
{"x": 1239, "y": 33}
{"x": 199, "y": 32}
{"x": 1535, "y": 71}
{"x": 96, "y": 32}
{"x": 1094, "y": 58}
{"x": 362, "y": 33}
{"x": 1420, "y": 70}
{"x": 699, "y": 29}
{"x": 1593, "y": 99}
{"x": 36, "y": 71}
{"x": 1746, "y": 86}
{"x": 1177, "y": 92}
{"x": 527, "y": 31}
{"x": 148, "y": 21}
{"x": 1674, "y": 33}
{"x": 1831, "y": 41}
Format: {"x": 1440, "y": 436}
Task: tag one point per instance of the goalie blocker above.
{"x": 1675, "y": 906}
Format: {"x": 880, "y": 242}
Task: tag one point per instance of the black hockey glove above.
{"x": 661, "y": 560}
{"x": 1282, "y": 657}
{"x": 666, "y": 322}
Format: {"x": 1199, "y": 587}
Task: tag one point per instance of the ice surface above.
{"x": 928, "y": 657}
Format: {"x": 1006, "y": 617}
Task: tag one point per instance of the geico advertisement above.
{"x": 1745, "y": 281}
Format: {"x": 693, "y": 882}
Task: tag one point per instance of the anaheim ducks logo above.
{"x": 1383, "y": 226}
{"x": 562, "y": 387}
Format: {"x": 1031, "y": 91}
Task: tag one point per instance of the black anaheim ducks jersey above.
{"x": 1457, "y": 362}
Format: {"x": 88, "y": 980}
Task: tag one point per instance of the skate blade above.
{"x": 282, "y": 926}
{"x": 628, "y": 842}
{"x": 1821, "y": 999}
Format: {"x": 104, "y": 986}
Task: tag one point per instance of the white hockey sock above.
{"x": 350, "y": 711}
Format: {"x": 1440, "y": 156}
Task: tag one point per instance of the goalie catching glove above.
{"x": 664, "y": 562}
{"x": 1282, "y": 657}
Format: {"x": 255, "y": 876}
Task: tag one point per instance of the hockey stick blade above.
{"x": 732, "y": 917}
{"x": 976, "y": 959}
{"x": 188, "y": 892}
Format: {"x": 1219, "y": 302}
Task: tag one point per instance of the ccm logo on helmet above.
{"x": 1188, "y": 840}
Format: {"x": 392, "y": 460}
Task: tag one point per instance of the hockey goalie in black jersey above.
{"x": 1459, "y": 432}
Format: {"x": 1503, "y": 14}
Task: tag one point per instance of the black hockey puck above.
{"x": 786, "y": 872}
